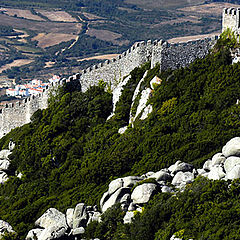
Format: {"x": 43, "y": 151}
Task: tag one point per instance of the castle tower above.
{"x": 231, "y": 19}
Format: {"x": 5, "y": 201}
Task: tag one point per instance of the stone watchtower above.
{"x": 231, "y": 19}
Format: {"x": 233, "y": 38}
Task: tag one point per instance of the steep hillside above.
{"x": 69, "y": 152}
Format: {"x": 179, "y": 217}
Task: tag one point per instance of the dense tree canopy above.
{"x": 69, "y": 152}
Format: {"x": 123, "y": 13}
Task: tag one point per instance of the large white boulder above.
{"x": 161, "y": 176}
{"x": 232, "y": 147}
{"x": 207, "y": 165}
{"x": 234, "y": 173}
{"x": 147, "y": 110}
{"x": 115, "y": 198}
{"x": 4, "y": 164}
{"x": 143, "y": 193}
{"x": 80, "y": 216}
{"x": 230, "y": 163}
{"x": 118, "y": 183}
{"x": 51, "y": 233}
{"x": 216, "y": 173}
{"x": 69, "y": 217}
{"x": 104, "y": 198}
{"x": 128, "y": 217}
{"x": 180, "y": 166}
{"x": 5, "y": 226}
{"x": 94, "y": 216}
{"x": 34, "y": 234}
{"x": 218, "y": 159}
{"x": 52, "y": 217}
{"x": 4, "y": 154}
{"x": 54, "y": 224}
{"x": 182, "y": 178}
{"x": 3, "y": 177}
{"x": 115, "y": 185}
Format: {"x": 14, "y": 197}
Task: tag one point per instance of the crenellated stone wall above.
{"x": 18, "y": 114}
{"x": 112, "y": 71}
{"x": 230, "y": 19}
{"x": 168, "y": 55}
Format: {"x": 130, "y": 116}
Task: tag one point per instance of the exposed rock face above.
{"x": 180, "y": 166}
{"x": 69, "y": 217}
{"x": 232, "y": 148}
{"x": 3, "y": 177}
{"x": 115, "y": 198}
{"x": 147, "y": 110}
{"x": 216, "y": 173}
{"x": 54, "y": 224}
{"x": 4, "y": 165}
{"x": 143, "y": 193}
{"x": 34, "y": 234}
{"x": 143, "y": 101}
{"x": 117, "y": 92}
{"x": 183, "y": 178}
{"x": 4, "y": 226}
{"x": 4, "y": 154}
{"x": 80, "y": 216}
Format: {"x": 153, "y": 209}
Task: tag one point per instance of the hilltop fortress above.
{"x": 168, "y": 55}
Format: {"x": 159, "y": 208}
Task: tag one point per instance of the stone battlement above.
{"x": 17, "y": 114}
{"x": 230, "y": 19}
{"x": 168, "y": 55}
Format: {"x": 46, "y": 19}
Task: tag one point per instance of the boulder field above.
{"x": 132, "y": 192}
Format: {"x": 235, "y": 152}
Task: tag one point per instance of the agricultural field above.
{"x": 55, "y": 36}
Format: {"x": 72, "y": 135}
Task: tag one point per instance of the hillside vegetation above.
{"x": 69, "y": 152}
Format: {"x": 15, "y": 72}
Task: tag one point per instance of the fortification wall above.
{"x": 230, "y": 19}
{"x": 18, "y": 114}
{"x": 181, "y": 54}
{"x": 158, "y": 51}
{"x": 112, "y": 71}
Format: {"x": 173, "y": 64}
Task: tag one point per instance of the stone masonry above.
{"x": 168, "y": 55}
{"x": 18, "y": 114}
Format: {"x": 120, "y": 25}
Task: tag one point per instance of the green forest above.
{"x": 69, "y": 153}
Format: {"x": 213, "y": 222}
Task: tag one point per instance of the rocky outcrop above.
{"x": 133, "y": 192}
{"x": 142, "y": 193}
{"x": 53, "y": 224}
{"x": 5, "y": 162}
{"x": 5, "y": 227}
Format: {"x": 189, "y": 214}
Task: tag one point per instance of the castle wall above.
{"x": 112, "y": 71}
{"x": 230, "y": 19}
{"x": 178, "y": 55}
{"x": 15, "y": 115}
{"x": 18, "y": 114}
